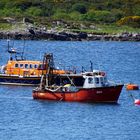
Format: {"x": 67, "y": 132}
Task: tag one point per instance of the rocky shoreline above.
{"x": 68, "y": 36}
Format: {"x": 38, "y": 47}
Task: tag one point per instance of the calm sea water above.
{"x": 21, "y": 117}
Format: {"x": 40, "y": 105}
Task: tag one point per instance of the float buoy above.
{"x": 137, "y": 101}
{"x": 132, "y": 87}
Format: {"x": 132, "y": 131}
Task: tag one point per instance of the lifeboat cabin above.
{"x": 26, "y": 68}
{"x": 24, "y": 72}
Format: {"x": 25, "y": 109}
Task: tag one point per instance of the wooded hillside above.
{"x": 107, "y": 11}
{"x": 103, "y": 12}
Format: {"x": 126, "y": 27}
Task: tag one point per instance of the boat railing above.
{"x": 112, "y": 83}
{"x": 53, "y": 88}
{"x": 62, "y": 88}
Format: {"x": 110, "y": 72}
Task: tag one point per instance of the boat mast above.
{"x": 48, "y": 66}
{"x": 22, "y": 53}
{"x": 91, "y": 66}
{"x": 12, "y": 51}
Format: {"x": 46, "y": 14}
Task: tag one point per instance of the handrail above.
{"x": 54, "y": 89}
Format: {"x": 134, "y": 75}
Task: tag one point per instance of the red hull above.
{"x": 104, "y": 94}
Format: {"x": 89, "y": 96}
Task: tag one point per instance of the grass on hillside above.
{"x": 5, "y": 26}
{"x": 108, "y": 29}
{"x": 111, "y": 29}
{"x": 114, "y": 29}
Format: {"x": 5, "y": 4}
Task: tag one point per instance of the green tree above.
{"x": 116, "y": 14}
{"x": 79, "y": 7}
{"x": 34, "y": 11}
{"x": 128, "y": 7}
{"x": 75, "y": 16}
{"x": 13, "y": 12}
{"x": 22, "y": 4}
{"x": 60, "y": 15}
{"x": 137, "y": 10}
{"x": 2, "y": 4}
{"x": 97, "y": 16}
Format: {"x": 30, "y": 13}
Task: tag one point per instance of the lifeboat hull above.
{"x": 19, "y": 80}
{"x": 104, "y": 94}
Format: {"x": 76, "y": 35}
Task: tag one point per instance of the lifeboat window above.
{"x": 31, "y": 66}
{"x": 21, "y": 65}
{"x": 26, "y": 66}
{"x": 97, "y": 80}
{"x": 16, "y": 65}
{"x": 90, "y": 80}
{"x": 35, "y": 66}
{"x": 40, "y": 66}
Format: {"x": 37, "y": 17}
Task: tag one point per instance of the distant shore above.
{"x": 68, "y": 36}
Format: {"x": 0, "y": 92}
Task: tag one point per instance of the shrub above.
{"x": 97, "y": 16}
{"x": 22, "y": 4}
{"x": 34, "y": 11}
{"x": 79, "y": 7}
{"x": 117, "y": 14}
{"x": 133, "y": 21}
{"x": 59, "y": 16}
{"x": 11, "y": 12}
{"x": 75, "y": 16}
{"x": 136, "y": 10}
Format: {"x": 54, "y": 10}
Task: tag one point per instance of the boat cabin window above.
{"x": 105, "y": 79}
{"x": 90, "y": 80}
{"x": 30, "y": 66}
{"x": 41, "y": 66}
{"x": 35, "y": 66}
{"x": 102, "y": 80}
{"x": 16, "y": 65}
{"x": 21, "y": 65}
{"x": 96, "y": 80}
{"x": 26, "y": 66}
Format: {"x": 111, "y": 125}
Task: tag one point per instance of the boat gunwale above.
{"x": 78, "y": 89}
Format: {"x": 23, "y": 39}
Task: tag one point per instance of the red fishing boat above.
{"x": 84, "y": 87}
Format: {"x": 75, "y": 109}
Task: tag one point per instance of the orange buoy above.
{"x": 132, "y": 87}
{"x": 137, "y": 101}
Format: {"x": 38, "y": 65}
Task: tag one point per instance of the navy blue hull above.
{"x": 17, "y": 80}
